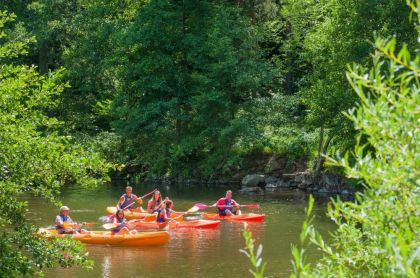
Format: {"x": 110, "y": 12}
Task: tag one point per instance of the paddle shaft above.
{"x": 142, "y": 197}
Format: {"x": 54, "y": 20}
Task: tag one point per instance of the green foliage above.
{"x": 190, "y": 71}
{"x": 378, "y": 234}
{"x": 35, "y": 159}
{"x": 255, "y": 258}
{"x": 323, "y": 37}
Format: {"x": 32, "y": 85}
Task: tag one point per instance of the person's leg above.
{"x": 228, "y": 212}
{"x": 238, "y": 212}
{"x": 124, "y": 231}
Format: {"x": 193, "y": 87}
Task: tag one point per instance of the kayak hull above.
{"x": 194, "y": 224}
{"x": 129, "y": 213}
{"x": 254, "y": 217}
{"x": 137, "y": 214}
{"x": 106, "y": 238}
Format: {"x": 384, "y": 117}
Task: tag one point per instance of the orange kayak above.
{"x": 243, "y": 217}
{"x": 129, "y": 213}
{"x": 194, "y": 224}
{"x": 137, "y": 214}
{"x": 104, "y": 237}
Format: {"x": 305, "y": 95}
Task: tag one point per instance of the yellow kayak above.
{"x": 129, "y": 213}
{"x": 137, "y": 214}
{"x": 104, "y": 237}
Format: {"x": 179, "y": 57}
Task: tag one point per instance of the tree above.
{"x": 34, "y": 159}
{"x": 327, "y": 35}
{"x": 377, "y": 235}
{"x": 189, "y": 70}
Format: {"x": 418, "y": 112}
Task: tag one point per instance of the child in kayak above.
{"x": 127, "y": 199}
{"x": 225, "y": 205}
{"x": 164, "y": 212}
{"x": 65, "y": 225}
{"x": 123, "y": 225}
{"x": 154, "y": 203}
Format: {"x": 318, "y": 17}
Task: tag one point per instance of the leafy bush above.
{"x": 378, "y": 234}
{"x": 35, "y": 159}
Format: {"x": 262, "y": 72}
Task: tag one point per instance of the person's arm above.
{"x": 235, "y": 203}
{"x": 58, "y": 222}
{"x": 165, "y": 216}
{"x": 137, "y": 199}
{"x": 120, "y": 201}
{"x": 217, "y": 203}
{"x": 150, "y": 207}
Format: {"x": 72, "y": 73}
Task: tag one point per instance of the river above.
{"x": 191, "y": 252}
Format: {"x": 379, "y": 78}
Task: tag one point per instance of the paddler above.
{"x": 65, "y": 225}
{"x": 164, "y": 211}
{"x": 126, "y": 200}
{"x": 155, "y": 202}
{"x": 123, "y": 225}
{"x": 225, "y": 205}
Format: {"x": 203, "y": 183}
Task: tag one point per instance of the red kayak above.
{"x": 194, "y": 224}
{"x": 243, "y": 217}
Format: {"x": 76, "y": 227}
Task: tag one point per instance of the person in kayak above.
{"x": 127, "y": 199}
{"x": 225, "y": 205}
{"x": 164, "y": 211}
{"x": 155, "y": 202}
{"x": 123, "y": 225}
{"x": 65, "y": 225}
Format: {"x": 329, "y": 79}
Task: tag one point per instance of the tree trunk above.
{"x": 43, "y": 58}
{"x": 322, "y": 151}
{"x": 316, "y": 167}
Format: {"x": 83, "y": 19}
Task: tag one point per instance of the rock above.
{"x": 254, "y": 189}
{"x": 270, "y": 187}
{"x": 270, "y": 180}
{"x": 345, "y": 192}
{"x": 272, "y": 165}
{"x": 282, "y": 184}
{"x": 253, "y": 180}
{"x": 323, "y": 191}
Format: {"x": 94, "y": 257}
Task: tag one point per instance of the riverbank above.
{"x": 260, "y": 174}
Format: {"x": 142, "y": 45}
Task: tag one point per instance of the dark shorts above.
{"x": 117, "y": 229}
{"x": 223, "y": 212}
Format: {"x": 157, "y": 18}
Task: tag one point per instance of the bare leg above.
{"x": 228, "y": 212}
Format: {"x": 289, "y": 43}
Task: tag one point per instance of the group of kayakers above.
{"x": 162, "y": 208}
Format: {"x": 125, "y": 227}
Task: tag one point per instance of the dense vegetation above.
{"x": 190, "y": 88}
{"x": 378, "y": 234}
{"x": 34, "y": 158}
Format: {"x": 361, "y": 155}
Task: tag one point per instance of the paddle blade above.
{"x": 201, "y": 206}
{"x": 254, "y": 206}
{"x": 68, "y": 225}
{"x": 108, "y": 226}
{"x": 163, "y": 225}
{"x": 193, "y": 209}
{"x": 106, "y": 218}
{"x": 89, "y": 224}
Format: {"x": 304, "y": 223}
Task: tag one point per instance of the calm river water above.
{"x": 192, "y": 252}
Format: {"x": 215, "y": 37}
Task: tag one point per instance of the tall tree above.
{"x": 34, "y": 159}
{"x": 190, "y": 67}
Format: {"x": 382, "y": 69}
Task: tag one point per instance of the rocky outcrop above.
{"x": 328, "y": 183}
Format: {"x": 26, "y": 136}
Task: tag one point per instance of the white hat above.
{"x": 64, "y": 208}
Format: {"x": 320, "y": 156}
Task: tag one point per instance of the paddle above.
{"x": 142, "y": 197}
{"x": 108, "y": 226}
{"x": 200, "y": 206}
{"x": 108, "y": 218}
{"x": 68, "y": 225}
{"x": 164, "y": 224}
